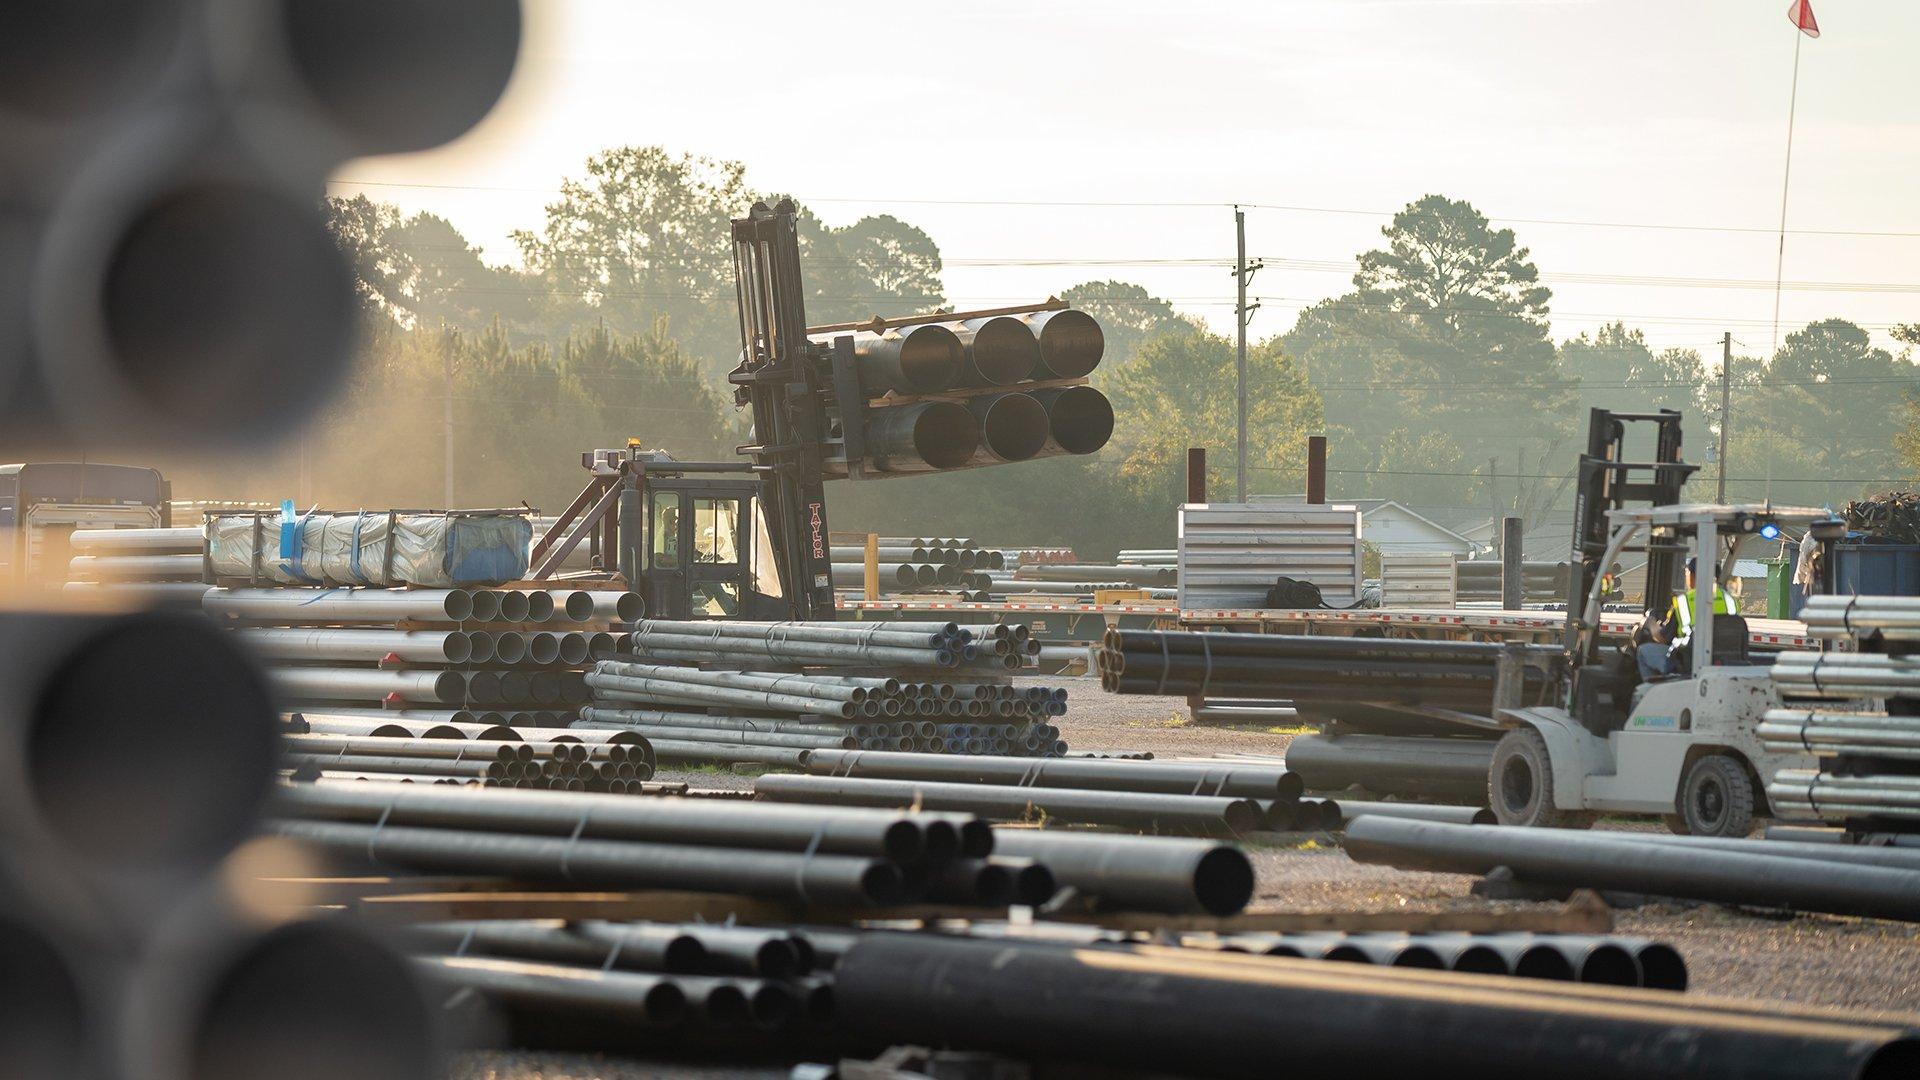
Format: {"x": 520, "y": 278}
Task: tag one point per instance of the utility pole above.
{"x": 1726, "y": 410}
{"x": 446, "y": 356}
{"x": 1242, "y": 274}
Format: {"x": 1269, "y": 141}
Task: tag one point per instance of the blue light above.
{"x": 1769, "y": 531}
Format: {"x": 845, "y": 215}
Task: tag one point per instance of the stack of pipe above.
{"x": 129, "y": 947}
{"x": 948, "y": 645}
{"x": 516, "y": 651}
{"x": 1457, "y": 675}
{"x": 572, "y": 765}
{"x": 1603, "y": 959}
{"x": 665, "y": 979}
{"x": 1028, "y": 738}
{"x": 861, "y": 858}
{"x": 1865, "y": 733}
{"x": 920, "y": 564}
{"x": 145, "y": 567}
{"x": 1194, "y": 1012}
{"x": 1543, "y": 582}
{"x": 1165, "y": 797}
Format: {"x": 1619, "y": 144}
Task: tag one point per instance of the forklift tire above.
{"x": 1520, "y": 785}
{"x": 1716, "y": 799}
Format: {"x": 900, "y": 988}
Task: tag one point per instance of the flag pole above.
{"x": 1780, "y": 252}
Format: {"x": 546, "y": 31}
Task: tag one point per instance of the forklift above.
{"x": 1684, "y": 746}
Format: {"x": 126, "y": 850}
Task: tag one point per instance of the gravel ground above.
{"x": 1844, "y": 964}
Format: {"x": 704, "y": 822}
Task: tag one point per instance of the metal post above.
{"x": 1240, "y": 323}
{"x": 1196, "y": 474}
{"x": 1706, "y": 577}
{"x": 446, "y": 355}
{"x": 1726, "y": 410}
{"x": 1513, "y": 592}
{"x": 1316, "y": 469}
{"x": 873, "y": 566}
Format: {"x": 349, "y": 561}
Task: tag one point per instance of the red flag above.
{"x": 1801, "y": 15}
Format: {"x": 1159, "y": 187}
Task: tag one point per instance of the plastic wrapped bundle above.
{"x": 386, "y": 548}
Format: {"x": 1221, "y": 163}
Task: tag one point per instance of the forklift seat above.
{"x": 1730, "y": 640}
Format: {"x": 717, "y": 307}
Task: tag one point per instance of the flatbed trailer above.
{"x": 1074, "y": 623}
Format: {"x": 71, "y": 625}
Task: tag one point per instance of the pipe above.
{"x": 922, "y": 359}
{"x": 690, "y": 749}
{"x": 573, "y": 605}
{"x": 649, "y": 691}
{"x": 900, "y": 837}
{"x": 1452, "y": 815}
{"x": 1586, "y": 860}
{"x": 327, "y": 743}
{"x": 1079, "y": 420}
{"x": 1192, "y": 814}
{"x": 562, "y": 989}
{"x": 135, "y": 567}
{"x": 737, "y": 737}
{"x": 341, "y": 605}
{"x": 847, "y": 575}
{"x": 629, "y": 946}
{"x": 1013, "y": 427}
{"x": 136, "y": 541}
{"x": 1000, "y": 350}
{"x": 1071, "y": 343}
{"x": 1198, "y": 1013}
{"x": 807, "y": 878}
{"x": 1387, "y": 764}
{"x": 760, "y": 634}
{"x": 931, "y": 436}
{"x": 178, "y": 594}
{"x": 1164, "y": 777}
{"x": 419, "y": 646}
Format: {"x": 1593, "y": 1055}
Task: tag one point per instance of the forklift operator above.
{"x": 1668, "y": 652}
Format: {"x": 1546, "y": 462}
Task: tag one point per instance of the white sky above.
{"x": 1646, "y": 111}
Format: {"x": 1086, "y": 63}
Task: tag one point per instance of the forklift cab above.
{"x": 702, "y": 541}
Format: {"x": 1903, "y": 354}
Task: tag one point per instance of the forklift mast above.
{"x": 785, "y": 380}
{"x": 1606, "y": 481}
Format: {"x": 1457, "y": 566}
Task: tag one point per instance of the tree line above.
{"x": 1435, "y": 376}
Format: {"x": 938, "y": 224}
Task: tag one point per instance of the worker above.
{"x": 1667, "y": 653}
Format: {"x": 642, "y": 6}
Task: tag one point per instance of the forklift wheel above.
{"x": 1520, "y": 785}
{"x": 1716, "y": 799}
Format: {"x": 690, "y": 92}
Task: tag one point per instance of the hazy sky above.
{"x": 1328, "y": 114}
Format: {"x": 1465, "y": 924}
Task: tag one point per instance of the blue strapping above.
{"x": 358, "y": 574}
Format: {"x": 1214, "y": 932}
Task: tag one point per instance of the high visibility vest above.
{"x": 1683, "y": 611}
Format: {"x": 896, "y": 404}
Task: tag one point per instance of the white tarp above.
{"x": 429, "y": 550}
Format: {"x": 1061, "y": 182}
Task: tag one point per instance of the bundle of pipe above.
{"x": 918, "y": 566}
{"x": 1449, "y": 674}
{"x": 1147, "y": 557}
{"x": 1620, "y": 862}
{"x": 837, "y": 644}
{"x": 1187, "y": 815}
{"x": 1447, "y": 768}
{"x": 1836, "y": 733}
{"x": 127, "y": 902}
{"x": 562, "y": 766}
{"x": 1541, "y": 581}
{"x": 347, "y": 721}
{"x": 1892, "y": 618}
{"x": 806, "y": 855}
{"x": 1589, "y": 958}
{"x": 664, "y": 977}
{"x": 1198, "y": 1013}
{"x": 1847, "y": 675}
{"x": 1893, "y": 797}
{"x": 1025, "y": 737}
{"x": 116, "y": 557}
{"x": 1079, "y": 572}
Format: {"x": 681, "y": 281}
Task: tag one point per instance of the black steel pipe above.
{"x": 1138, "y": 873}
{"x": 928, "y": 437}
{"x": 1071, "y": 343}
{"x": 1163, "y": 777}
{"x": 1182, "y": 814}
{"x": 1453, "y": 815}
{"x": 651, "y": 999}
{"x": 1013, "y": 427}
{"x": 1079, "y": 420}
{"x": 1211, "y": 1014}
{"x": 895, "y": 836}
{"x": 1601, "y": 861}
{"x": 1387, "y": 764}
{"x": 1001, "y": 350}
{"x": 845, "y": 879}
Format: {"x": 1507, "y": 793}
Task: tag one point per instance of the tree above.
{"x": 1445, "y": 332}
{"x": 1908, "y": 441}
{"x": 1128, "y": 314}
{"x": 1821, "y": 422}
{"x": 1178, "y": 393}
{"x": 643, "y": 234}
{"x": 876, "y": 266}
{"x": 1617, "y": 370}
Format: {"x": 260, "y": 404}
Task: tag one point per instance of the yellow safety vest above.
{"x": 1683, "y": 611}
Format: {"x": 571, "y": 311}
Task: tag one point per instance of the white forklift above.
{"x": 1683, "y": 746}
